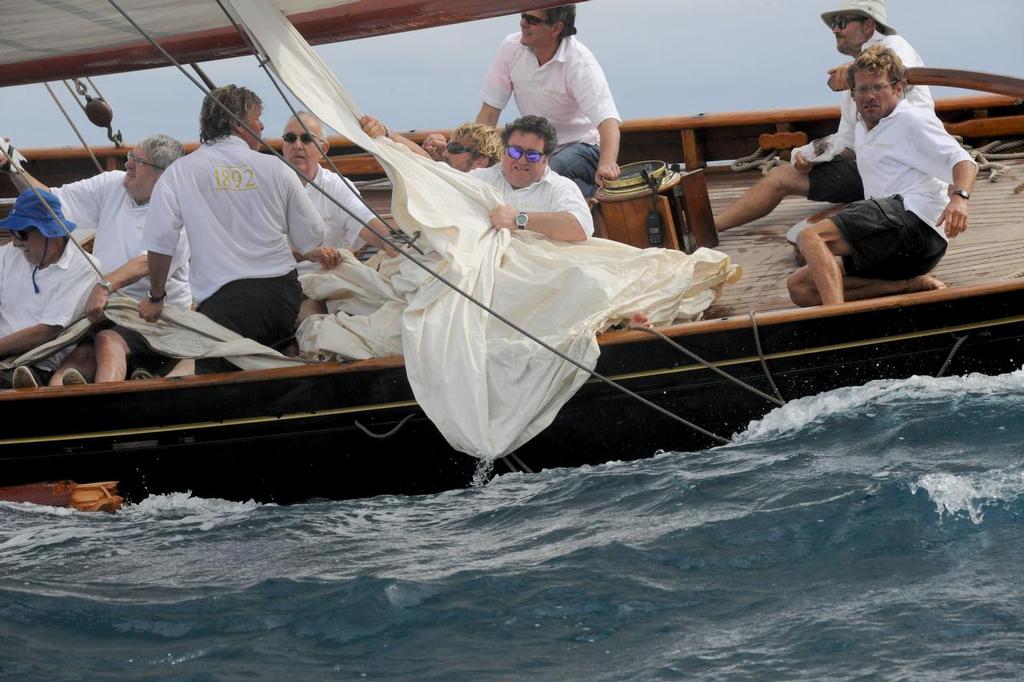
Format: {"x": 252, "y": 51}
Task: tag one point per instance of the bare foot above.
{"x": 925, "y": 283}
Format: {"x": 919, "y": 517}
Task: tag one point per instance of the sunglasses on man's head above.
{"x": 532, "y": 20}
{"x": 516, "y": 152}
{"x": 458, "y": 148}
{"x": 842, "y": 20}
{"x": 305, "y": 137}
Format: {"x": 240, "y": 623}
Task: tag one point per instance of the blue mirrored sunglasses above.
{"x": 516, "y": 152}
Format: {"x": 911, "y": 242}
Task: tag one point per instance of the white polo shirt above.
{"x": 64, "y": 288}
{"x": 551, "y": 193}
{"x": 570, "y": 91}
{"x": 340, "y": 229}
{"x": 909, "y": 153}
{"x": 242, "y": 211}
{"x": 102, "y": 203}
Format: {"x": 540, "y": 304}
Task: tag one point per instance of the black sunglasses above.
{"x": 517, "y": 152}
{"x": 21, "y": 235}
{"x": 305, "y": 137}
{"x": 843, "y": 19}
{"x": 532, "y": 20}
{"x": 457, "y": 148}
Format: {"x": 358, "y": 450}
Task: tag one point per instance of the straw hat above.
{"x": 873, "y": 9}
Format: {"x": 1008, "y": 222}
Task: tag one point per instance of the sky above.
{"x": 661, "y": 57}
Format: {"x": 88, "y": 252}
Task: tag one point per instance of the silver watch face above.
{"x": 521, "y": 220}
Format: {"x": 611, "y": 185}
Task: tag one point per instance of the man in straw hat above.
{"x": 825, "y": 170}
{"x": 43, "y": 284}
{"x": 917, "y": 180}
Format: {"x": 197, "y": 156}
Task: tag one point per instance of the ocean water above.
{"x": 870, "y": 533}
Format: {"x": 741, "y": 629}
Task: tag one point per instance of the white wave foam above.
{"x": 954, "y": 494}
{"x": 797, "y": 414}
{"x": 206, "y": 513}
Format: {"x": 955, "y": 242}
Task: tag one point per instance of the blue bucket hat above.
{"x": 30, "y": 211}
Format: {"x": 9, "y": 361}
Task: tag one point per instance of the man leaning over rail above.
{"x": 825, "y": 170}
{"x": 473, "y": 145}
{"x": 241, "y": 210}
{"x": 887, "y": 243}
{"x": 44, "y": 284}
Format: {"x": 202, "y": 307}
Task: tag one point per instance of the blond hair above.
{"x": 485, "y": 140}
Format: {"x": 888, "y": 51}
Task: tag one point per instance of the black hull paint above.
{"x": 284, "y": 436}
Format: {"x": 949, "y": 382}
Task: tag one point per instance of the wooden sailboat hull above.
{"x": 291, "y": 435}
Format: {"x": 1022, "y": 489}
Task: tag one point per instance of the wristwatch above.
{"x": 106, "y": 285}
{"x": 521, "y": 220}
{"x": 962, "y": 193}
{"x": 157, "y": 299}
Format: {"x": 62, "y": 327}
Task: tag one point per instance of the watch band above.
{"x": 962, "y": 193}
{"x": 106, "y": 285}
{"x": 157, "y": 299}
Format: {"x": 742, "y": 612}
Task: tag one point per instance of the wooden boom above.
{"x": 969, "y": 80}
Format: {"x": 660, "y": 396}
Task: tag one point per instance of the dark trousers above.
{"x": 262, "y": 309}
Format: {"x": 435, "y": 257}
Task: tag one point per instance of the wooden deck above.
{"x": 992, "y": 249}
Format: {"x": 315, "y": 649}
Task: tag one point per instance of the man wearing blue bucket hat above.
{"x": 43, "y": 284}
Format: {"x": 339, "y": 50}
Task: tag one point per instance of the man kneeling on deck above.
{"x": 43, "y": 284}
{"x": 906, "y": 159}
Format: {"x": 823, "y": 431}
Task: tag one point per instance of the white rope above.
{"x": 763, "y": 159}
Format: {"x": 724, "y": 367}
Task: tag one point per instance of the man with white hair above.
{"x": 825, "y": 170}
{"x": 115, "y": 204}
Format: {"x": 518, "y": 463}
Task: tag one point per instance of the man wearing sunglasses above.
{"x": 537, "y": 199}
{"x": 304, "y": 146}
{"x": 115, "y": 204}
{"x": 473, "y": 145}
{"x": 888, "y": 243}
{"x": 825, "y": 170}
{"x": 44, "y": 284}
{"x": 551, "y": 74}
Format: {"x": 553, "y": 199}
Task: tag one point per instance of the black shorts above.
{"x": 887, "y": 241}
{"x": 837, "y": 182}
{"x": 140, "y": 354}
{"x": 262, "y": 309}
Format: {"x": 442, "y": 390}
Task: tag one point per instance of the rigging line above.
{"x": 427, "y": 268}
{"x": 760, "y": 355}
{"x": 725, "y": 375}
{"x": 73, "y": 127}
{"x": 263, "y": 60}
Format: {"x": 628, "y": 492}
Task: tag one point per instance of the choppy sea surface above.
{"x": 870, "y": 533}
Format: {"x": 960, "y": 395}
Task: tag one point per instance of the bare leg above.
{"x": 82, "y": 358}
{"x": 804, "y": 293}
{"x": 184, "y": 368}
{"x": 309, "y": 307}
{"x": 820, "y": 243}
{"x": 763, "y": 197}
{"x": 111, "y": 357}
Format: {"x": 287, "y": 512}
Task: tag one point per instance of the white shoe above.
{"x": 72, "y": 377}
{"x": 23, "y": 378}
{"x": 142, "y": 373}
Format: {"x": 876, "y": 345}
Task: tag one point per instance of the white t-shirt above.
{"x": 242, "y": 211}
{"x": 102, "y": 203}
{"x": 909, "y": 153}
{"x": 570, "y": 91}
{"x": 64, "y": 288}
{"x": 552, "y": 193}
{"x": 341, "y": 230}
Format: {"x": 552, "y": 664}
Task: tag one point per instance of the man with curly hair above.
{"x": 917, "y": 182}
{"x": 473, "y": 145}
